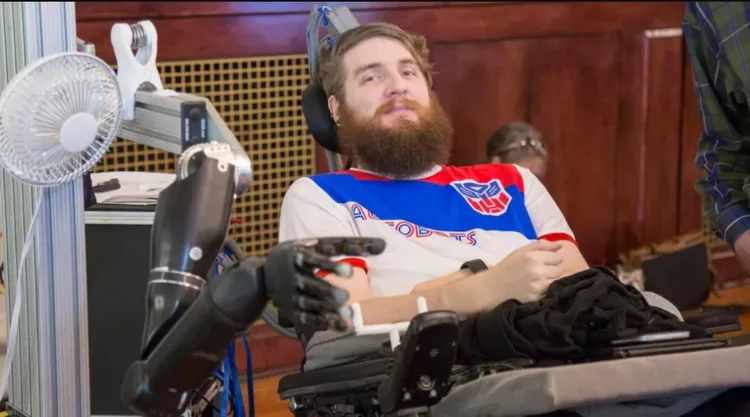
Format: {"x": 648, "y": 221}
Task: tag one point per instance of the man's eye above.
{"x": 371, "y": 78}
{"x": 409, "y": 73}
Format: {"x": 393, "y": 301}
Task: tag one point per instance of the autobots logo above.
{"x": 487, "y": 198}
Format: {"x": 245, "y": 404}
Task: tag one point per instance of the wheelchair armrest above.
{"x": 422, "y": 365}
{"x": 715, "y": 320}
{"x": 415, "y": 377}
{"x": 337, "y": 379}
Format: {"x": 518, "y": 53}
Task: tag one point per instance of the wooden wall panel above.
{"x": 691, "y": 216}
{"x": 481, "y": 94}
{"x": 571, "y": 101}
{"x": 661, "y": 157}
{"x": 187, "y": 31}
{"x": 630, "y": 178}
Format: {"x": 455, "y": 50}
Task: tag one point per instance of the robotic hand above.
{"x": 190, "y": 322}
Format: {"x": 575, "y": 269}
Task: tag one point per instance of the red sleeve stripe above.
{"x": 554, "y": 237}
{"x": 354, "y": 262}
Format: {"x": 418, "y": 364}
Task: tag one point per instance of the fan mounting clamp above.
{"x": 135, "y": 70}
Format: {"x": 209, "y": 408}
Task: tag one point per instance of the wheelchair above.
{"x": 413, "y": 374}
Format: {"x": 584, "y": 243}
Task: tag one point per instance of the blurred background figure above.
{"x": 518, "y": 143}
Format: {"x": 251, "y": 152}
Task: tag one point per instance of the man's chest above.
{"x": 419, "y": 209}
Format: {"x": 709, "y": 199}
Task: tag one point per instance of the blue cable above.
{"x": 225, "y": 390}
{"x": 226, "y": 379}
{"x": 232, "y": 389}
{"x": 250, "y": 393}
{"x": 324, "y": 11}
{"x": 235, "y": 386}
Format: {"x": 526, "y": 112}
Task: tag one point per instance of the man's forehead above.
{"x": 375, "y": 52}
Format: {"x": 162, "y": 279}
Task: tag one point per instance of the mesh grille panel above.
{"x": 259, "y": 99}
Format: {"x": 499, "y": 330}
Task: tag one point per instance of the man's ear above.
{"x": 333, "y": 107}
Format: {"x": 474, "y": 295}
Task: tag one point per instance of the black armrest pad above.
{"x": 336, "y": 374}
{"x": 716, "y": 321}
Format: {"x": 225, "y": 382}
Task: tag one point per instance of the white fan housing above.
{"x": 58, "y": 117}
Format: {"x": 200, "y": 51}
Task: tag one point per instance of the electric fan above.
{"x": 58, "y": 117}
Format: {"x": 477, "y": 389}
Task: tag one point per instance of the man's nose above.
{"x": 397, "y": 86}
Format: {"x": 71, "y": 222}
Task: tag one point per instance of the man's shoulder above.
{"x": 319, "y": 185}
{"x": 491, "y": 168}
{"x": 317, "y": 179}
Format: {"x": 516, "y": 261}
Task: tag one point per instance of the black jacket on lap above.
{"x": 579, "y": 312}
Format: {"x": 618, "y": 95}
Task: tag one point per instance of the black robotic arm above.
{"x": 189, "y": 321}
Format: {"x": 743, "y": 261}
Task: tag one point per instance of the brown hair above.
{"x": 515, "y": 141}
{"x": 330, "y": 57}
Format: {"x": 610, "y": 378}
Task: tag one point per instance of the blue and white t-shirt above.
{"x": 431, "y": 224}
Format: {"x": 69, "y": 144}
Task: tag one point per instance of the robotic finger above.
{"x": 307, "y": 259}
{"x": 312, "y": 300}
{"x": 337, "y": 246}
{"x": 300, "y": 259}
{"x": 314, "y": 305}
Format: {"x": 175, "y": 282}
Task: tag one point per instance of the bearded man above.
{"x": 434, "y": 218}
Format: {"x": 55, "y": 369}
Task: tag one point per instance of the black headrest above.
{"x": 319, "y": 120}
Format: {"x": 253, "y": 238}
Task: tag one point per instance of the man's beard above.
{"x": 402, "y": 151}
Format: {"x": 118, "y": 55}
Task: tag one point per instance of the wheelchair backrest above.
{"x": 321, "y": 124}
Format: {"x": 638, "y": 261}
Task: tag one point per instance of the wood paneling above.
{"x": 613, "y": 97}
{"x": 630, "y": 177}
{"x": 661, "y": 156}
{"x": 135, "y": 10}
{"x": 476, "y": 109}
{"x": 691, "y": 216}
{"x": 571, "y": 100}
{"x": 187, "y": 33}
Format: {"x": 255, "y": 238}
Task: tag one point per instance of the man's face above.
{"x": 388, "y": 118}
{"x": 379, "y": 71}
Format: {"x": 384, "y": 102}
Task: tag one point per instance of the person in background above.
{"x": 518, "y": 143}
{"x": 718, "y": 40}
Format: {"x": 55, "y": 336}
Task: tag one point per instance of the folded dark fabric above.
{"x": 583, "y": 311}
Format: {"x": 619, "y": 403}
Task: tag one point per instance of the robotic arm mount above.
{"x": 165, "y": 119}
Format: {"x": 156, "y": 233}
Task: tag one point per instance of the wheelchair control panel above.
{"x": 420, "y": 373}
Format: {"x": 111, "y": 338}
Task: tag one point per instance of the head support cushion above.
{"x": 318, "y": 117}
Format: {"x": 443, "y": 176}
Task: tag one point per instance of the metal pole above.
{"x": 50, "y": 376}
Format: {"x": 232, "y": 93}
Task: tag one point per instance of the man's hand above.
{"x": 742, "y": 249}
{"x": 525, "y": 274}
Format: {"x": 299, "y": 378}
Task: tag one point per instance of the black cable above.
{"x": 203, "y": 397}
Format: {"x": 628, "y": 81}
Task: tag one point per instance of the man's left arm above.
{"x": 549, "y": 222}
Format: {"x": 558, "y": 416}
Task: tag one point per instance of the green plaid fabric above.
{"x": 718, "y": 40}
